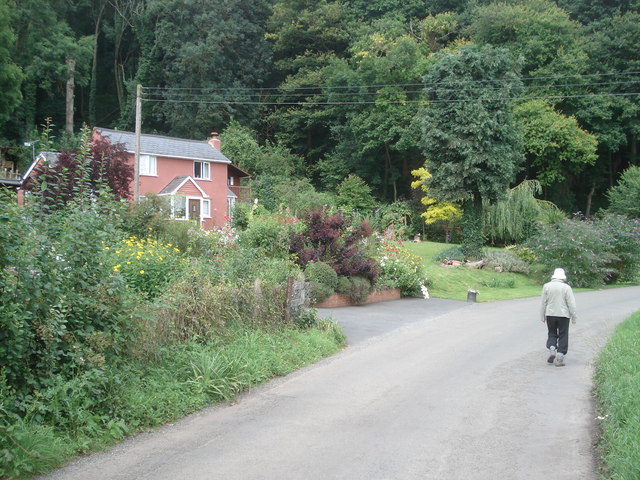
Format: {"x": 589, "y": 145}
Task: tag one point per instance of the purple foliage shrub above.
{"x": 333, "y": 240}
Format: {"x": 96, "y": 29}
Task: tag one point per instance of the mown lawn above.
{"x": 453, "y": 282}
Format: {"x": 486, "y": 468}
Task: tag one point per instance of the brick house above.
{"x": 200, "y": 182}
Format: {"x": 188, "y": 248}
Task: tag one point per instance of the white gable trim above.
{"x": 181, "y": 184}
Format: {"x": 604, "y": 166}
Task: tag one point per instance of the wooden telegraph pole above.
{"x": 136, "y": 176}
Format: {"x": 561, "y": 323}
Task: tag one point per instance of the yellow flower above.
{"x": 141, "y": 272}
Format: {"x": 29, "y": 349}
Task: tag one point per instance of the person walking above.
{"x": 558, "y": 308}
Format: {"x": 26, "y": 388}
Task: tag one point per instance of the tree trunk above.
{"x": 94, "y": 68}
{"x": 587, "y": 210}
{"x": 387, "y": 165}
{"x": 71, "y": 67}
{"x": 472, "y": 229}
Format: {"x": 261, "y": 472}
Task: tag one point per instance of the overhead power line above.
{"x": 392, "y": 102}
{"x": 398, "y": 93}
{"x": 185, "y": 96}
{"x": 383, "y": 85}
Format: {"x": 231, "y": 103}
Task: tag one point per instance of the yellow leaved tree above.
{"x": 448, "y": 213}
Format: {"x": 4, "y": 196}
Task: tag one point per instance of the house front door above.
{"x": 194, "y": 210}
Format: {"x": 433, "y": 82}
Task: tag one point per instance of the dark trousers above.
{"x": 558, "y": 333}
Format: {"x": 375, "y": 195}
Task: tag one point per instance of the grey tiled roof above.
{"x": 173, "y": 185}
{"x": 165, "y": 146}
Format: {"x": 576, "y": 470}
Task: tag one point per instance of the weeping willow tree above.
{"x": 513, "y": 219}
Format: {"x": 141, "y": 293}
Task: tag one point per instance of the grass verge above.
{"x": 617, "y": 383}
{"x": 110, "y": 403}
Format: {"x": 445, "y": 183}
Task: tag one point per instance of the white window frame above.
{"x": 205, "y": 170}
{"x": 148, "y": 166}
{"x": 175, "y": 207}
{"x": 205, "y": 207}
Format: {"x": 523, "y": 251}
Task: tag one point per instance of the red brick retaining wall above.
{"x": 344, "y": 301}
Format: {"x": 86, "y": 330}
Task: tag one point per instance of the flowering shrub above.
{"x": 580, "y": 247}
{"x": 212, "y": 243}
{"x": 400, "y": 269}
{"x": 623, "y": 238}
{"x": 147, "y": 265}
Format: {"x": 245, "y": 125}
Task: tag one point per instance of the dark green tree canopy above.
{"x": 624, "y": 197}
{"x": 469, "y": 137}
{"x": 10, "y": 74}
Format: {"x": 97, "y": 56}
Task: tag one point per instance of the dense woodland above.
{"x": 319, "y": 90}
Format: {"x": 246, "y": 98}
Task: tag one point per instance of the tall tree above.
{"x": 587, "y": 11}
{"x": 469, "y": 137}
{"x": 556, "y": 148}
{"x": 44, "y": 45}
{"x": 203, "y": 51}
{"x": 10, "y": 73}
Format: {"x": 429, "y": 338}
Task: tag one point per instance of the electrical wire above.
{"x": 384, "y": 102}
{"x": 459, "y": 82}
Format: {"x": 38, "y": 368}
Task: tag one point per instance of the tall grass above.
{"x": 136, "y": 396}
{"x": 617, "y": 387}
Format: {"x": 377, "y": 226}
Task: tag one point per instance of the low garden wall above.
{"x": 344, "y": 301}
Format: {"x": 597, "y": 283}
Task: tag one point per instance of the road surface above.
{"x": 467, "y": 394}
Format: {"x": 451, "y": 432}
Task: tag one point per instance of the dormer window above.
{"x": 201, "y": 170}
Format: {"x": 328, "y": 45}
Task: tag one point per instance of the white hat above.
{"x": 558, "y": 274}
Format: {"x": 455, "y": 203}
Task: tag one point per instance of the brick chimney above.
{"x": 214, "y": 141}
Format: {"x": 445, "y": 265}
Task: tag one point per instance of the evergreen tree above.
{"x": 468, "y": 135}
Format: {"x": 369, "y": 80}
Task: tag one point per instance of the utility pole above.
{"x": 71, "y": 68}
{"x": 136, "y": 166}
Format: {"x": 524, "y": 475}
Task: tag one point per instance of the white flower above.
{"x": 425, "y": 292}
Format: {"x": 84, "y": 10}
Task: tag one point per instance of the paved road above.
{"x": 463, "y": 395}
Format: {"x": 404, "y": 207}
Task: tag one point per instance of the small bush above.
{"x": 359, "y": 289}
{"x": 306, "y": 318}
{"x": 319, "y": 292}
{"x": 344, "y": 285}
{"x": 499, "y": 282}
{"x": 269, "y": 234}
{"x": 146, "y": 265}
{"x": 146, "y": 216}
{"x": 506, "y": 261}
{"x": 241, "y": 216}
{"x": 323, "y": 273}
{"x": 523, "y": 253}
{"x": 451, "y": 253}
